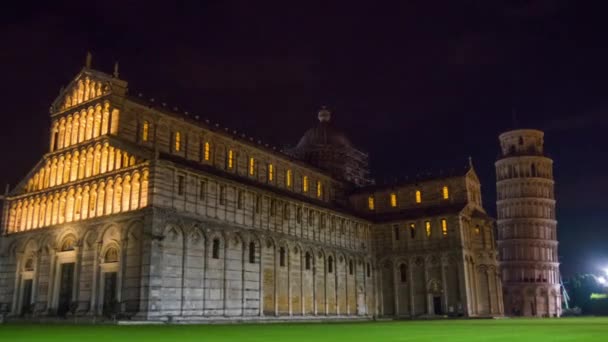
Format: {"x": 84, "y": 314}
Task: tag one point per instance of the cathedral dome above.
{"x": 324, "y": 134}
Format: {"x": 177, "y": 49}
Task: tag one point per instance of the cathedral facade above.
{"x": 144, "y": 212}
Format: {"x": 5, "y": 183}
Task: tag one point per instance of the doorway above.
{"x": 26, "y": 296}
{"x": 66, "y": 287}
{"x": 109, "y": 293}
{"x": 437, "y": 305}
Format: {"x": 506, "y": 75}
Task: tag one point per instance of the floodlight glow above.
{"x": 601, "y": 280}
{"x": 606, "y": 271}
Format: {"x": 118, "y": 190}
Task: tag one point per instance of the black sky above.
{"x": 420, "y": 85}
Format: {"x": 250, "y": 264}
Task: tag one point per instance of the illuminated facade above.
{"x": 141, "y": 210}
{"x": 527, "y": 229}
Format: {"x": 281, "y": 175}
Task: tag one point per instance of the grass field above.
{"x": 512, "y": 330}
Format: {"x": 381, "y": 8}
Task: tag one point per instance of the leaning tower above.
{"x": 527, "y": 240}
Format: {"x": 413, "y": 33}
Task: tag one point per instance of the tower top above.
{"x": 324, "y": 114}
{"x": 522, "y": 142}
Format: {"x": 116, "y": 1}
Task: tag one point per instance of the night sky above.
{"x": 419, "y": 86}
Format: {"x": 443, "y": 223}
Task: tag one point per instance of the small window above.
{"x": 319, "y": 189}
{"x": 412, "y": 230}
{"x": 251, "y": 166}
{"x": 180, "y": 185}
{"x": 403, "y": 273}
{"x": 202, "y": 189}
{"x": 305, "y": 183}
{"x": 351, "y": 267}
{"x": 282, "y": 257}
{"x": 177, "y": 141}
{"x": 239, "y": 200}
{"x": 446, "y": 193}
{"x": 252, "y": 253}
{"x": 273, "y": 207}
{"x": 216, "y": 249}
{"x": 330, "y": 264}
{"x": 145, "y": 131}
{"x": 258, "y": 204}
{"x": 206, "y": 151}
{"x": 307, "y": 261}
{"x": 222, "y": 194}
{"x": 311, "y": 217}
{"x": 394, "y": 200}
{"x": 299, "y": 215}
{"x": 288, "y": 176}
{"x": 396, "y": 232}
{"x": 286, "y": 211}
{"x": 444, "y": 227}
{"x": 427, "y": 227}
{"x": 418, "y": 196}
{"x": 369, "y": 270}
{"x": 230, "y": 160}
{"x": 270, "y": 172}
{"x": 371, "y": 203}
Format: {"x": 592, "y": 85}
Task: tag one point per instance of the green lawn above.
{"x": 511, "y": 330}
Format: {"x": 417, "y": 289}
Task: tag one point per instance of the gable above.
{"x": 86, "y": 86}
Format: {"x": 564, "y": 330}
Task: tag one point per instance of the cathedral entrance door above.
{"x": 109, "y": 293}
{"x": 66, "y": 286}
{"x": 437, "y": 305}
{"x": 26, "y": 296}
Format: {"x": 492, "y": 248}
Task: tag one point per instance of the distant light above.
{"x": 601, "y": 280}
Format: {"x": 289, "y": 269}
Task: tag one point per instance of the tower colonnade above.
{"x": 527, "y": 241}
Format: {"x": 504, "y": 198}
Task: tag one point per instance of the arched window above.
{"x": 111, "y": 255}
{"x": 533, "y": 170}
{"x": 215, "y": 250}
{"x": 396, "y": 232}
{"x": 521, "y": 140}
{"x": 206, "y": 151}
{"x": 252, "y": 253}
{"x": 330, "y": 264}
{"x": 444, "y": 227}
{"x": 403, "y": 272}
{"x": 351, "y": 267}
{"x": 282, "y": 256}
{"x": 177, "y": 141}
{"x": 445, "y": 192}
{"x": 319, "y": 189}
{"x": 288, "y": 176}
{"x": 270, "y": 172}
{"x": 371, "y": 205}
{"x": 230, "y": 159}
{"x": 369, "y": 270}
{"x": 145, "y": 131}
{"x": 394, "y": 200}
{"x": 427, "y": 226}
{"x": 307, "y": 261}
{"x": 251, "y": 166}
{"x": 412, "y": 230}
{"x": 305, "y": 183}
{"x": 418, "y": 196}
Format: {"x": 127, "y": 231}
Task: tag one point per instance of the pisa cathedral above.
{"x": 153, "y": 214}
